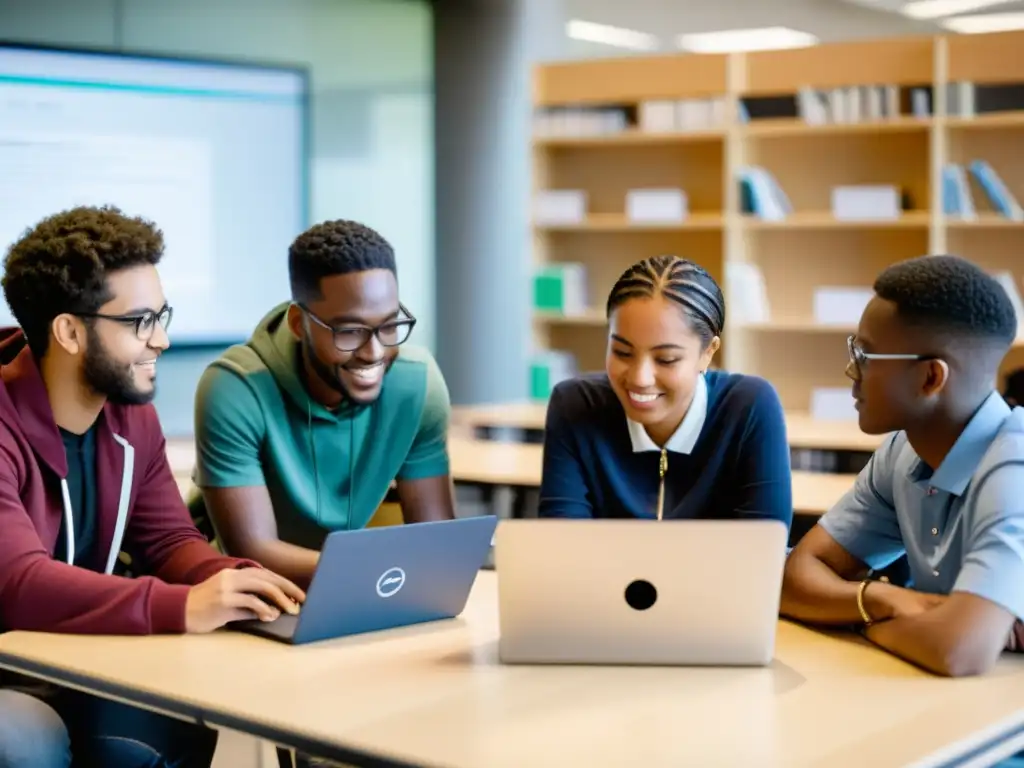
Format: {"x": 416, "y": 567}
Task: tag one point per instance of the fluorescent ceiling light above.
{"x": 730, "y": 40}
{"x": 936, "y": 9}
{"x": 985, "y": 22}
{"x": 614, "y": 36}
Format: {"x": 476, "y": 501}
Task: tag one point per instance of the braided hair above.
{"x": 687, "y": 284}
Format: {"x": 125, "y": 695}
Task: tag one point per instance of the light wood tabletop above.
{"x": 437, "y": 695}
{"x": 802, "y": 430}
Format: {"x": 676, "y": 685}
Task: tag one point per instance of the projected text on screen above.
{"x": 213, "y": 154}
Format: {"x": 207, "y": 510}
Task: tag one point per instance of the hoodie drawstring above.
{"x": 123, "y": 503}
{"x": 69, "y": 520}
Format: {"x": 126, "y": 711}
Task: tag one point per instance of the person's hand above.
{"x": 1015, "y": 643}
{"x": 239, "y": 593}
{"x": 885, "y": 601}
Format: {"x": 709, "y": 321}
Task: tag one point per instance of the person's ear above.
{"x": 936, "y": 376}
{"x": 709, "y": 353}
{"x": 294, "y": 319}
{"x": 69, "y": 333}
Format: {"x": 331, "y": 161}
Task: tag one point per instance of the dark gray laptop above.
{"x": 381, "y": 578}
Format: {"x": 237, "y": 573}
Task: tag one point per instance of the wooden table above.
{"x": 802, "y": 430}
{"x": 436, "y": 695}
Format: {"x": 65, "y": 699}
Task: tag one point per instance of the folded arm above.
{"x": 957, "y": 636}
{"x": 966, "y": 634}
{"x": 821, "y": 581}
{"x": 960, "y": 634}
{"x": 963, "y": 635}
{"x": 860, "y": 532}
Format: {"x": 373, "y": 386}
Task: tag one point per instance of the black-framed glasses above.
{"x": 349, "y": 338}
{"x": 145, "y": 323}
{"x": 859, "y": 358}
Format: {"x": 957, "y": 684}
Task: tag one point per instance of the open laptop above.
{"x": 381, "y": 578}
{"x": 685, "y": 592}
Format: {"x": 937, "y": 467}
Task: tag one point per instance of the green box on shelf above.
{"x": 540, "y": 382}
{"x": 560, "y": 288}
{"x": 547, "y": 370}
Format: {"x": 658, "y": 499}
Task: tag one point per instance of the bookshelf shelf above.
{"x": 617, "y": 222}
{"x": 984, "y": 221}
{"x": 825, "y": 220}
{"x": 772, "y": 127}
{"x": 891, "y": 119}
{"x": 986, "y": 121}
{"x": 588, "y": 318}
{"x": 631, "y": 137}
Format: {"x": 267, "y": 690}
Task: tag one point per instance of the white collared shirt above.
{"x": 686, "y": 434}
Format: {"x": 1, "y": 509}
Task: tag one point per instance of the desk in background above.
{"x": 830, "y": 446}
{"x": 436, "y": 695}
{"x": 489, "y": 464}
{"x": 803, "y": 431}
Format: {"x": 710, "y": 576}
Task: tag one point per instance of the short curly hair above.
{"x": 61, "y": 265}
{"x": 950, "y": 295}
{"x": 335, "y": 248}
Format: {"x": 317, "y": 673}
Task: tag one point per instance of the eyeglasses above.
{"x": 145, "y": 322}
{"x": 859, "y": 358}
{"x": 349, "y": 338}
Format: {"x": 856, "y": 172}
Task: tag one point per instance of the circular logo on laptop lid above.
{"x": 392, "y": 580}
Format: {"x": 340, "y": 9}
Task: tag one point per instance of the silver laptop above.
{"x": 682, "y": 592}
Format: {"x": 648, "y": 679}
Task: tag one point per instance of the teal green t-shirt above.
{"x": 325, "y": 471}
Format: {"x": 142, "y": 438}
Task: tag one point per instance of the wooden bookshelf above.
{"x": 810, "y": 248}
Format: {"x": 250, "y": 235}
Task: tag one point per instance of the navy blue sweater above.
{"x": 738, "y": 468}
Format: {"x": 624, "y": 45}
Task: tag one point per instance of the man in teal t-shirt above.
{"x": 301, "y": 431}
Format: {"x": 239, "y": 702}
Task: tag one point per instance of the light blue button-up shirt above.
{"x": 961, "y": 526}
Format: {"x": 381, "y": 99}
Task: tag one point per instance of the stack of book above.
{"x": 958, "y": 201}
{"x": 761, "y": 196}
{"x": 666, "y": 116}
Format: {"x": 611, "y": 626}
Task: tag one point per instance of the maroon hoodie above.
{"x": 139, "y": 509}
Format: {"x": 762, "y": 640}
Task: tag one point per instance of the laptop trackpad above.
{"x": 283, "y": 626}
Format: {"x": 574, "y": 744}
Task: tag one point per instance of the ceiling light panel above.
{"x": 733, "y": 40}
{"x": 617, "y": 37}
{"x": 937, "y": 9}
{"x": 985, "y": 22}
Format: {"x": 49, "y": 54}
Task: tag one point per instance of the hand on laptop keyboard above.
{"x": 236, "y": 594}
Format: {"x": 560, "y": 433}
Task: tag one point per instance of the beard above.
{"x": 111, "y": 378}
{"x": 330, "y": 374}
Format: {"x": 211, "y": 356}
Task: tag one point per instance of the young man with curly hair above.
{"x": 301, "y": 431}
{"x": 944, "y": 490}
{"x": 84, "y": 476}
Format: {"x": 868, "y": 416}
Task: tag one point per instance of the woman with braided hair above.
{"x": 658, "y": 435}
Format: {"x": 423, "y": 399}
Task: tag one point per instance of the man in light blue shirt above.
{"x": 946, "y": 489}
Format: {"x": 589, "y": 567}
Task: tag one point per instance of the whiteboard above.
{"x": 214, "y": 154}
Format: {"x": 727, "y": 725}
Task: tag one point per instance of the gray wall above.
{"x": 371, "y": 67}
{"x": 483, "y": 51}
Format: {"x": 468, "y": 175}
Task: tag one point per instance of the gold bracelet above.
{"x": 864, "y": 615}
